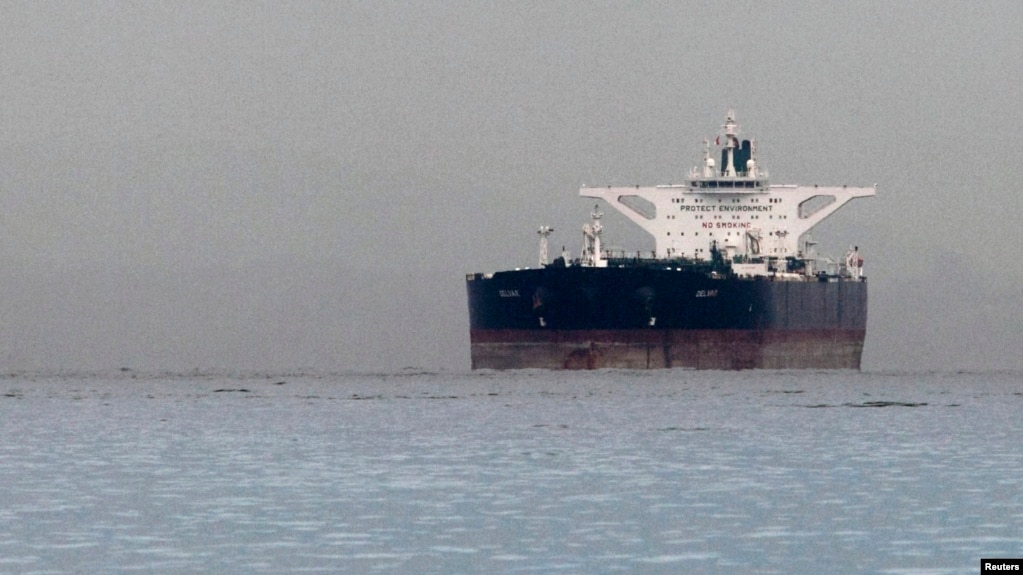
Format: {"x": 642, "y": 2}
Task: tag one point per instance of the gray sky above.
{"x": 266, "y": 186}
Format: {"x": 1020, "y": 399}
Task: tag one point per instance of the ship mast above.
{"x": 545, "y": 232}
{"x": 731, "y": 142}
{"x": 592, "y": 256}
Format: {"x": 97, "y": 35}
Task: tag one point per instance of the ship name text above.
{"x": 508, "y": 293}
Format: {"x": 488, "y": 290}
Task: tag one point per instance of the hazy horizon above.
{"x": 291, "y": 185}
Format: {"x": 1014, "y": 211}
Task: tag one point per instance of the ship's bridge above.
{"x": 740, "y": 184}
{"x": 738, "y": 211}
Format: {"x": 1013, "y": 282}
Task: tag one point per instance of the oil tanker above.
{"x": 734, "y": 281}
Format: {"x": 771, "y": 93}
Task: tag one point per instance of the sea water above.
{"x": 510, "y": 472}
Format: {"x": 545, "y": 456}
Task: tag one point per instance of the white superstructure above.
{"x": 734, "y": 208}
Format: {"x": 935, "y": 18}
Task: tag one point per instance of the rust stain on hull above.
{"x": 659, "y": 349}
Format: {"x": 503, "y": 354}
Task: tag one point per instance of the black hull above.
{"x": 644, "y": 317}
